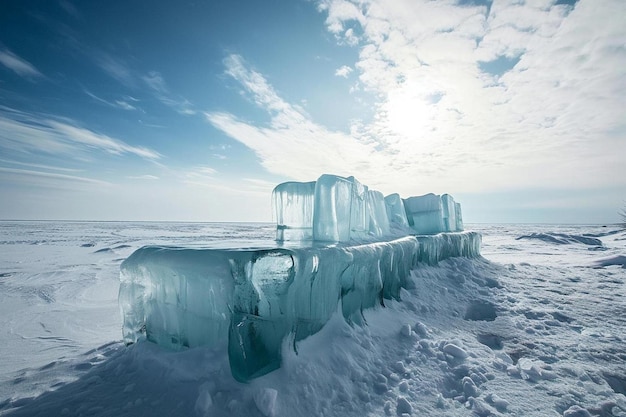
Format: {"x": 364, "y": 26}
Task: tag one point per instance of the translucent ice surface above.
{"x": 293, "y": 207}
{"x": 458, "y": 216}
{"x": 378, "y": 220}
{"x": 339, "y": 209}
{"x": 333, "y": 204}
{"x": 252, "y": 300}
{"x": 449, "y": 213}
{"x": 395, "y": 210}
{"x": 359, "y": 210}
{"x": 425, "y": 214}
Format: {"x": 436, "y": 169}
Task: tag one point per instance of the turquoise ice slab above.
{"x": 251, "y": 299}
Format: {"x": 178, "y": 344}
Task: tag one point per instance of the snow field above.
{"x": 539, "y": 332}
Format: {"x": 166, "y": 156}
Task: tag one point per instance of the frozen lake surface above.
{"x": 534, "y": 328}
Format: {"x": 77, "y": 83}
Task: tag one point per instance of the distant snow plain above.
{"x": 535, "y": 327}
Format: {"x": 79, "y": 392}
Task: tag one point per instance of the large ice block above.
{"x": 332, "y": 209}
{"x": 378, "y": 220}
{"x": 249, "y": 301}
{"x": 449, "y": 213}
{"x": 338, "y": 209}
{"x": 425, "y": 213}
{"x": 176, "y": 297}
{"x": 395, "y": 210}
{"x": 459, "y": 217}
{"x": 293, "y": 207}
{"x": 359, "y": 210}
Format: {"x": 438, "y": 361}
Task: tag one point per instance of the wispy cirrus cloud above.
{"x": 19, "y": 65}
{"x": 204, "y": 177}
{"x": 144, "y": 177}
{"x": 40, "y": 166}
{"x": 115, "y": 67}
{"x": 123, "y": 103}
{"x": 28, "y": 133}
{"x": 27, "y": 173}
{"x": 159, "y": 87}
{"x": 291, "y": 144}
{"x": 119, "y": 70}
{"x": 200, "y": 176}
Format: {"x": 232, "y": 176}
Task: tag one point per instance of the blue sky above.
{"x": 195, "y": 110}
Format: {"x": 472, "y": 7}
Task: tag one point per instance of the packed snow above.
{"x": 534, "y": 327}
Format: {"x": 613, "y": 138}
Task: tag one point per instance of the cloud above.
{"x": 200, "y": 176}
{"x": 157, "y": 84}
{"x": 32, "y": 165}
{"x": 143, "y": 177}
{"x": 98, "y": 141}
{"x": 339, "y": 13}
{"x": 262, "y": 93}
{"x": 27, "y": 133}
{"x": 119, "y": 104}
{"x": 343, "y": 71}
{"x": 550, "y": 114}
{"x": 155, "y": 81}
{"x": 292, "y": 144}
{"x": 124, "y": 105}
{"x": 207, "y": 177}
{"x": 115, "y": 67}
{"x": 119, "y": 70}
{"x": 553, "y": 117}
{"x": 52, "y": 176}
{"x": 19, "y": 65}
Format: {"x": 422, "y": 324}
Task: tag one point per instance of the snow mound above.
{"x": 610, "y": 261}
{"x": 562, "y": 238}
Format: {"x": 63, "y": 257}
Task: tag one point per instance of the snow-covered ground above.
{"x": 534, "y": 328}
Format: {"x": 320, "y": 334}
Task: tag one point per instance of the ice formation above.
{"x": 425, "y": 213}
{"x": 395, "y": 210}
{"x": 339, "y": 209}
{"x": 340, "y": 245}
{"x": 293, "y": 207}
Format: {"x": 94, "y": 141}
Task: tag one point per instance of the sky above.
{"x": 196, "y": 110}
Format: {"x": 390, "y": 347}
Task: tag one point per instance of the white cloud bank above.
{"x": 556, "y": 119}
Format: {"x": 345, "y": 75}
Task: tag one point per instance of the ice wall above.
{"x": 436, "y": 248}
{"x": 339, "y": 209}
{"x": 250, "y": 300}
{"x": 340, "y": 245}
